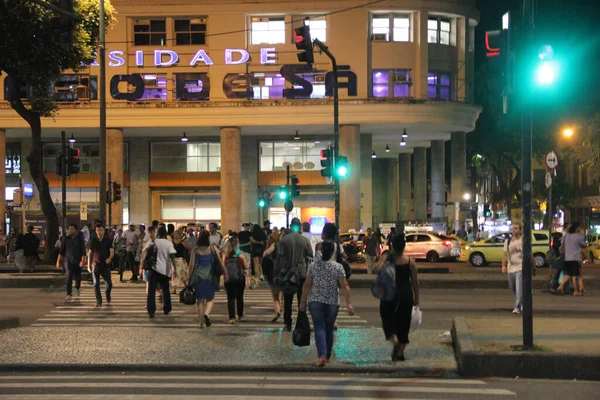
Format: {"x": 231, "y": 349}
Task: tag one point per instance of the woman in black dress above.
{"x": 396, "y": 314}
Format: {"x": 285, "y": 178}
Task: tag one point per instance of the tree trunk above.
{"x": 35, "y": 161}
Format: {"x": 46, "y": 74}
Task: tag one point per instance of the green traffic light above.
{"x": 262, "y": 203}
{"x": 342, "y": 171}
{"x": 546, "y": 73}
{"x": 283, "y": 195}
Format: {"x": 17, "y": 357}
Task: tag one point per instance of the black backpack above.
{"x": 340, "y": 259}
{"x": 150, "y": 260}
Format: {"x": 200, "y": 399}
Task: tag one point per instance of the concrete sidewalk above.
{"x": 232, "y": 348}
{"x": 564, "y": 348}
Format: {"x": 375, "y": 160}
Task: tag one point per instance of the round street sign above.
{"x": 548, "y": 180}
{"x": 552, "y": 160}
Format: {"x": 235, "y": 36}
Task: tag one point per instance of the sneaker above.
{"x": 69, "y": 297}
{"x": 98, "y": 305}
{"x": 516, "y": 310}
{"x": 77, "y": 292}
{"x": 207, "y": 321}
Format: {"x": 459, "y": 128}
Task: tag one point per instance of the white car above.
{"x": 431, "y": 246}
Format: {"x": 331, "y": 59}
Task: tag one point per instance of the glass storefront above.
{"x": 302, "y": 155}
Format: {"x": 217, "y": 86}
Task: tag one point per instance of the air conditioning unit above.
{"x": 380, "y": 37}
{"x": 319, "y": 79}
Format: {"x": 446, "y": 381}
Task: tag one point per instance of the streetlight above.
{"x": 568, "y": 132}
{"x": 467, "y": 196}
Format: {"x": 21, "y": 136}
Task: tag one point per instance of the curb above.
{"x": 32, "y": 282}
{"x": 9, "y": 323}
{"x": 472, "y": 363}
{"x": 293, "y": 368}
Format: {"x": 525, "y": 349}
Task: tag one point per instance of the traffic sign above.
{"x": 548, "y": 180}
{"x": 552, "y": 160}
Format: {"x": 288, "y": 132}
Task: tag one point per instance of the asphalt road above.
{"x": 254, "y": 386}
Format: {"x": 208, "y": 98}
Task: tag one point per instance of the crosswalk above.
{"x": 127, "y": 308}
{"x": 238, "y": 386}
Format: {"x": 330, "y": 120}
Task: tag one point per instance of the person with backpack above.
{"x": 160, "y": 270}
{"x": 235, "y": 265}
{"x": 398, "y": 289}
{"x": 324, "y": 278}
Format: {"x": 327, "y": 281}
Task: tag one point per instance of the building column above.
{"x": 404, "y": 186}
{"x": 458, "y": 159}
{"x": 231, "y": 176}
{"x": 366, "y": 181}
{"x": 3, "y": 179}
{"x": 420, "y": 182}
{"x": 249, "y": 182}
{"x": 391, "y": 180}
{"x": 114, "y": 165}
{"x": 350, "y": 185}
{"x": 438, "y": 178}
{"x": 139, "y": 181}
{"x": 421, "y": 70}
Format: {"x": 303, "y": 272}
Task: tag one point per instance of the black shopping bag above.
{"x": 187, "y": 296}
{"x": 301, "y": 334}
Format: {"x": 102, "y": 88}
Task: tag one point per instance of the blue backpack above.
{"x": 384, "y": 287}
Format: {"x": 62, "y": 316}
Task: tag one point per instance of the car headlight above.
{"x": 467, "y": 247}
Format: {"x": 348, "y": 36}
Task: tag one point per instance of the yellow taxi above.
{"x": 592, "y": 251}
{"x": 490, "y": 250}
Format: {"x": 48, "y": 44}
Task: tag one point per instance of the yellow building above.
{"x": 226, "y": 75}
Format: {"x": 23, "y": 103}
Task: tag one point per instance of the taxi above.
{"x": 490, "y": 250}
{"x": 592, "y": 251}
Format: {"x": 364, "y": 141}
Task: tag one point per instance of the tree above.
{"x": 32, "y": 56}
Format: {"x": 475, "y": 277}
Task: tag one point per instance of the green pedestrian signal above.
{"x": 262, "y": 203}
{"x": 283, "y": 193}
{"x": 341, "y": 167}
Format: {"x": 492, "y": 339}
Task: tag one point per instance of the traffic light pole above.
{"x": 63, "y": 165}
{"x": 336, "y": 128}
{"x": 102, "y": 83}
{"x": 287, "y": 187}
{"x": 526, "y": 149}
{"x": 109, "y": 201}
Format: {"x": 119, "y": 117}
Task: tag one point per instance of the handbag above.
{"x": 188, "y": 296}
{"x": 301, "y": 334}
{"x": 215, "y": 268}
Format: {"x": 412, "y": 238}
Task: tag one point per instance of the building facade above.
{"x": 225, "y": 75}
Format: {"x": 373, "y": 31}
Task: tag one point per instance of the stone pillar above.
{"x": 3, "y": 180}
{"x": 366, "y": 181}
{"x": 404, "y": 186}
{"x": 350, "y": 185}
{"x": 422, "y": 55}
{"x": 420, "y": 182}
{"x": 249, "y": 182}
{"x": 114, "y": 165}
{"x": 139, "y": 181}
{"x": 231, "y": 176}
{"x": 458, "y": 159}
{"x": 438, "y": 178}
{"x": 391, "y": 181}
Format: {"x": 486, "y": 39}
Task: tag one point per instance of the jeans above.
{"x": 235, "y": 295}
{"x": 130, "y": 259}
{"x": 104, "y": 271}
{"x": 155, "y": 279}
{"x": 515, "y": 283}
{"x": 288, "y": 300}
{"x": 72, "y": 271}
{"x": 323, "y": 316}
{"x": 370, "y": 262}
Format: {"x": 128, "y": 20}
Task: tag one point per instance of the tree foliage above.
{"x": 32, "y": 56}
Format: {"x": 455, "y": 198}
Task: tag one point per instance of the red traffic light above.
{"x": 325, "y": 154}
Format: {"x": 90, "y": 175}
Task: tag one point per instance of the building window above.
{"x": 438, "y": 31}
{"x": 76, "y": 87}
{"x": 155, "y": 86}
{"x": 185, "y": 157}
{"x": 391, "y": 28}
{"x": 302, "y": 155}
{"x": 149, "y": 32}
{"x": 12, "y": 161}
{"x": 391, "y": 83}
{"x": 439, "y": 86}
{"x": 190, "y": 31}
{"x": 89, "y": 160}
{"x": 270, "y": 85}
{"x": 191, "y": 86}
{"x": 268, "y": 30}
{"x": 318, "y": 26}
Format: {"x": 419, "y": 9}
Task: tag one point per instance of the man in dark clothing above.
{"x": 72, "y": 255}
{"x": 267, "y": 228}
{"x": 244, "y": 237}
{"x": 294, "y": 250}
{"x": 370, "y": 245}
{"x": 31, "y": 244}
{"x": 100, "y": 257}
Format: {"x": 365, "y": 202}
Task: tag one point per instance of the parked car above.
{"x": 431, "y": 246}
{"x": 491, "y": 250}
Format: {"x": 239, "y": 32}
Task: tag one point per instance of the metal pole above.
{"x": 526, "y": 148}
{"x": 287, "y": 185}
{"x": 109, "y": 202}
{"x": 102, "y": 50}
{"x": 23, "y": 223}
{"x": 63, "y": 167}
{"x": 550, "y": 214}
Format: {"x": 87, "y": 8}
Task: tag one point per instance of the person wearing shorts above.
{"x": 573, "y": 243}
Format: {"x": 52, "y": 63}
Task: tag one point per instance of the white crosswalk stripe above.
{"x": 238, "y": 386}
{"x": 127, "y": 308}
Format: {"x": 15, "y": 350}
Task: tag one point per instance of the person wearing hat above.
{"x": 131, "y": 244}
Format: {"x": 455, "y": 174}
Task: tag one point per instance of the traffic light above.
{"x": 116, "y": 192}
{"x": 547, "y": 68}
{"x": 304, "y": 42}
{"x": 283, "y": 192}
{"x": 59, "y": 161}
{"x": 64, "y": 24}
{"x": 262, "y": 203}
{"x": 73, "y": 161}
{"x": 486, "y": 210}
{"x": 341, "y": 167}
{"x": 327, "y": 163}
{"x": 295, "y": 191}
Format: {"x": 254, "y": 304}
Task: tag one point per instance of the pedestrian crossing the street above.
{"x": 238, "y": 386}
{"x": 127, "y": 308}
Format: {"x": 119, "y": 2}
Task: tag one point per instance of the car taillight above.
{"x": 447, "y": 244}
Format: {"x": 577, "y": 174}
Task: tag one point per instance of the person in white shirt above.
{"x": 163, "y": 268}
{"x": 131, "y": 246}
{"x": 311, "y": 238}
{"x": 512, "y": 264}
